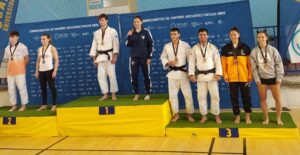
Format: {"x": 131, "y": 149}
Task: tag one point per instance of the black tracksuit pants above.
{"x": 244, "y": 88}
{"x": 44, "y": 78}
{"x": 135, "y": 64}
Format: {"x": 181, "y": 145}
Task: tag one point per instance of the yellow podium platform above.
{"x": 28, "y": 123}
{"x": 89, "y": 117}
{"x": 228, "y": 129}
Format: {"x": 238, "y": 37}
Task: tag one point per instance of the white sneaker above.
{"x": 147, "y": 97}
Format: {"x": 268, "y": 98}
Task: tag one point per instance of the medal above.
{"x": 265, "y": 65}
{"x": 12, "y": 53}
{"x": 176, "y": 60}
{"x": 102, "y": 43}
{"x": 235, "y": 61}
{"x": 264, "y": 55}
{"x": 44, "y": 53}
{"x": 203, "y": 53}
{"x": 175, "y": 52}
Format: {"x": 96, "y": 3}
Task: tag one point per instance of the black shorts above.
{"x": 271, "y": 81}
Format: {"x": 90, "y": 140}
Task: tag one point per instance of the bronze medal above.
{"x": 176, "y": 60}
{"x": 235, "y": 61}
{"x": 203, "y": 53}
{"x": 12, "y": 53}
{"x": 175, "y": 51}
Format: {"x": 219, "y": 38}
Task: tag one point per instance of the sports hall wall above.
{"x": 73, "y": 37}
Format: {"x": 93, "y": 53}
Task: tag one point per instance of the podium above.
{"x": 28, "y": 123}
{"x": 87, "y": 116}
{"x": 228, "y": 129}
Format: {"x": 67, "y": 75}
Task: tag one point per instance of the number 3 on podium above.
{"x": 228, "y": 132}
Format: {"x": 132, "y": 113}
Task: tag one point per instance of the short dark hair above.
{"x": 139, "y": 17}
{"x": 103, "y": 15}
{"x": 202, "y": 30}
{"x": 174, "y": 29}
{"x": 14, "y": 33}
{"x": 234, "y": 29}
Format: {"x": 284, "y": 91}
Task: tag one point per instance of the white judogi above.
{"x": 206, "y": 82}
{"x": 105, "y": 67}
{"x": 16, "y": 73}
{"x": 178, "y": 79}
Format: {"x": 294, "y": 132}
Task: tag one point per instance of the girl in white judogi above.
{"x": 205, "y": 68}
{"x": 174, "y": 58}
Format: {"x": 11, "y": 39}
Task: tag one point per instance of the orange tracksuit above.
{"x": 236, "y": 63}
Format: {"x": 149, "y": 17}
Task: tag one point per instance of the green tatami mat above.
{"x": 228, "y": 118}
{"x": 123, "y": 100}
{"x": 29, "y": 112}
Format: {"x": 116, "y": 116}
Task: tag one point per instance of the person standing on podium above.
{"x": 104, "y": 52}
{"x": 268, "y": 71}
{"x": 174, "y": 58}
{"x": 17, "y": 57}
{"x": 237, "y": 73}
{"x": 205, "y": 68}
{"x": 45, "y": 70}
{"x": 140, "y": 41}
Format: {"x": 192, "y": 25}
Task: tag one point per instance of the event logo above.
{"x": 296, "y": 42}
{"x": 179, "y": 25}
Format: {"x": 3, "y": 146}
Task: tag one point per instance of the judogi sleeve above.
{"x": 192, "y": 61}
{"x": 164, "y": 58}
{"x": 93, "y": 50}
{"x": 116, "y": 45}
{"x": 217, "y": 61}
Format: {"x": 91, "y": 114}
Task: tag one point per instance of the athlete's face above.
{"x": 13, "y": 39}
{"x": 103, "y": 22}
{"x": 174, "y": 36}
{"x": 45, "y": 40}
{"x": 262, "y": 38}
{"x": 203, "y": 36}
{"x": 137, "y": 23}
{"x": 234, "y": 36}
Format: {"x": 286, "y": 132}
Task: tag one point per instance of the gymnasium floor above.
{"x": 150, "y": 145}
